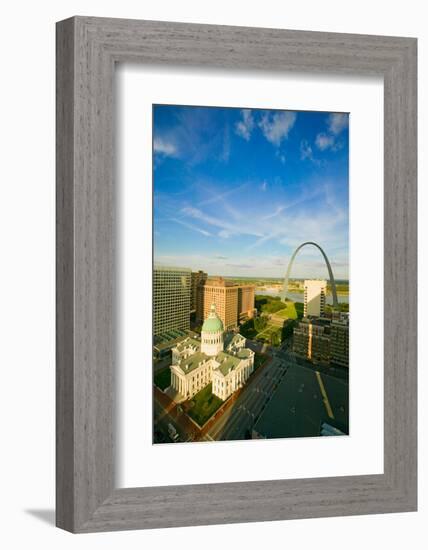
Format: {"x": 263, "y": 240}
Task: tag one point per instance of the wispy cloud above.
{"x": 162, "y": 147}
{"x": 231, "y": 228}
{"x": 306, "y": 152}
{"x": 277, "y": 125}
{"x": 273, "y": 214}
{"x": 192, "y": 227}
{"x": 324, "y": 141}
{"x": 225, "y": 151}
{"x": 280, "y": 156}
{"x": 263, "y": 186}
{"x": 245, "y": 126}
{"x": 215, "y": 195}
{"x": 337, "y": 122}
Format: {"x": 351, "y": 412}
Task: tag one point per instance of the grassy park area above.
{"x": 275, "y": 320}
{"x": 290, "y": 311}
{"x": 163, "y": 378}
{"x": 203, "y": 405}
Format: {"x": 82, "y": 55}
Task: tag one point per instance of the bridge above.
{"x": 327, "y": 263}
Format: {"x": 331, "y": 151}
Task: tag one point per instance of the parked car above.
{"x": 173, "y": 434}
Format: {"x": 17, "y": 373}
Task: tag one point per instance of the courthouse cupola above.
{"x": 212, "y": 334}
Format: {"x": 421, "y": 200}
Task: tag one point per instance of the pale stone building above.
{"x": 219, "y": 358}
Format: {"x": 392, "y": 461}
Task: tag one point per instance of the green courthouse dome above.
{"x": 213, "y": 323}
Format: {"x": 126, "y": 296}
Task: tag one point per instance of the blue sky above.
{"x": 237, "y": 190}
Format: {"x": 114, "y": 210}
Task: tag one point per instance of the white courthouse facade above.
{"x": 217, "y": 358}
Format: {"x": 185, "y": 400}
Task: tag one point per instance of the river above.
{"x": 298, "y": 296}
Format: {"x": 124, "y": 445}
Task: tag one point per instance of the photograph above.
{"x": 250, "y": 274}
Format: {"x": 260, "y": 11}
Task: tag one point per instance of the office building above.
{"x": 171, "y": 299}
{"x": 234, "y": 303}
{"x": 198, "y": 277}
{"x": 311, "y": 340}
{"x": 314, "y": 299}
{"x": 246, "y": 299}
{"x": 339, "y": 341}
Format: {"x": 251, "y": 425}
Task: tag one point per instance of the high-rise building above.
{"x": 314, "y": 301}
{"x": 198, "y": 277}
{"x": 171, "y": 299}
{"x": 339, "y": 341}
{"x": 246, "y": 298}
{"x": 222, "y": 293}
{"x": 234, "y": 303}
{"x": 323, "y": 340}
{"x": 311, "y": 340}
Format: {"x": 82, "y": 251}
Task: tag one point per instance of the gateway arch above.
{"x": 327, "y": 263}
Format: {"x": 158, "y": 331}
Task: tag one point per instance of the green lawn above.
{"x": 204, "y": 405}
{"x": 163, "y": 378}
{"x": 289, "y": 312}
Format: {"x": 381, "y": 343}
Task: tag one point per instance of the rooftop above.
{"x": 188, "y": 343}
{"x": 227, "y": 362}
{"x": 158, "y": 267}
{"x": 170, "y": 338}
{"x": 244, "y": 353}
{"x": 297, "y": 409}
{"x": 192, "y": 362}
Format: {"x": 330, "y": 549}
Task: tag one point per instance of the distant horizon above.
{"x": 237, "y": 190}
{"x": 256, "y": 276}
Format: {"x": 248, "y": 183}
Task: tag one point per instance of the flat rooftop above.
{"x": 297, "y": 407}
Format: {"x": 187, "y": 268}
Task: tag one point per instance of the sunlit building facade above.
{"x": 323, "y": 340}
{"x": 311, "y": 340}
{"x": 314, "y": 298}
{"x": 234, "y": 303}
{"x": 339, "y": 334}
{"x": 171, "y": 299}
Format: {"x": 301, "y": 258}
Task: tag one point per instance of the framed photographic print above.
{"x": 236, "y": 274}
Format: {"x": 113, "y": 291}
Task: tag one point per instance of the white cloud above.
{"x": 224, "y": 234}
{"x": 163, "y": 147}
{"x": 263, "y": 186}
{"x": 324, "y": 141}
{"x": 245, "y": 126}
{"x": 276, "y": 126}
{"x": 337, "y": 122}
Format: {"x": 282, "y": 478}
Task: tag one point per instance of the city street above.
{"x": 237, "y": 422}
{"x": 167, "y": 412}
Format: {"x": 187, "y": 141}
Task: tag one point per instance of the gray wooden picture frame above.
{"x": 87, "y": 50}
